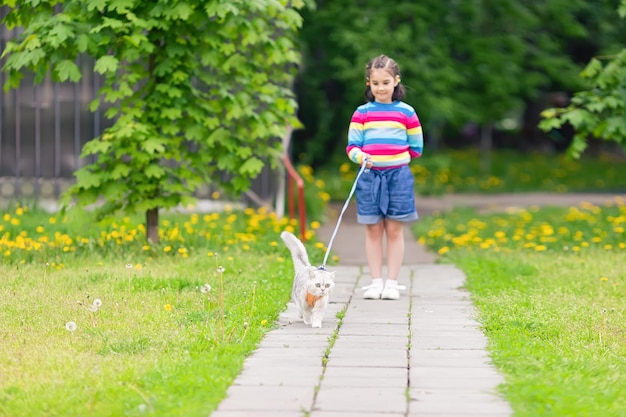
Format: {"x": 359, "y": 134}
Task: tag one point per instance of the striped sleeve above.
{"x": 355, "y": 137}
{"x": 415, "y": 136}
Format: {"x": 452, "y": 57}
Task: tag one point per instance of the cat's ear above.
{"x": 332, "y": 275}
{"x": 311, "y": 273}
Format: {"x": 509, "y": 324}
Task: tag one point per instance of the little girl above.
{"x": 387, "y": 134}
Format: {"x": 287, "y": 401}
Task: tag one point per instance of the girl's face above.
{"x": 382, "y": 84}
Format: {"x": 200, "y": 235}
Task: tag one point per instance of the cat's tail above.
{"x": 297, "y": 249}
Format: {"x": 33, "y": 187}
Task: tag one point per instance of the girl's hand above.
{"x": 368, "y": 157}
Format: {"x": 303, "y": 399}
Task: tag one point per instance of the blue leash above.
{"x": 343, "y": 210}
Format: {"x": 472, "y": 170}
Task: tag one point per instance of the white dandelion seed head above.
{"x": 205, "y": 288}
{"x": 70, "y": 326}
{"x": 220, "y": 269}
{"x": 245, "y": 324}
{"x": 129, "y": 266}
{"x": 97, "y": 303}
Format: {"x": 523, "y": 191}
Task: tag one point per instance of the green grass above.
{"x": 159, "y": 343}
{"x": 462, "y": 171}
{"x": 156, "y": 343}
{"x": 550, "y": 289}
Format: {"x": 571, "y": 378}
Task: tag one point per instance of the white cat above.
{"x": 311, "y": 286}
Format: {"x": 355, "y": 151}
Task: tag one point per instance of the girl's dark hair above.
{"x": 386, "y": 63}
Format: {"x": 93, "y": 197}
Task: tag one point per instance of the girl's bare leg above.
{"x": 395, "y": 247}
{"x": 374, "y": 248}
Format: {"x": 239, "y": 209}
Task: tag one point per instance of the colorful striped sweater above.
{"x": 390, "y": 133}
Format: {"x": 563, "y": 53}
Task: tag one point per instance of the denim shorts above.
{"x": 386, "y": 194}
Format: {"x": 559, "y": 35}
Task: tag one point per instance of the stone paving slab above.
{"x": 444, "y": 402}
{"x": 361, "y": 399}
{"x": 449, "y": 358}
{"x": 266, "y": 397}
{"x": 257, "y": 413}
{"x": 318, "y": 413}
{"x": 454, "y": 378}
{"x": 365, "y": 376}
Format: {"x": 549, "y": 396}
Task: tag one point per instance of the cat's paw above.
{"x": 317, "y": 325}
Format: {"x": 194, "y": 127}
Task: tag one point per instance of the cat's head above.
{"x": 320, "y": 282}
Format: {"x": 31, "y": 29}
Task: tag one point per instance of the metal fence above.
{"x": 44, "y": 127}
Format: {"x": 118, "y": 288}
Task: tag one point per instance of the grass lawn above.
{"x": 550, "y": 288}
{"x": 95, "y": 322}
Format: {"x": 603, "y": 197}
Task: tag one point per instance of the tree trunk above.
{"x": 436, "y": 132}
{"x": 152, "y": 225}
{"x": 486, "y": 145}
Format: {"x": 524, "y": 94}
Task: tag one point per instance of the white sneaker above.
{"x": 391, "y": 290}
{"x": 374, "y": 290}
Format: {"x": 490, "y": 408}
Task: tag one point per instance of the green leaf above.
{"x": 120, "y": 171}
{"x": 106, "y": 64}
{"x": 154, "y": 171}
{"x": 592, "y": 69}
{"x": 153, "y": 146}
{"x": 577, "y": 117}
{"x": 95, "y": 146}
{"x": 67, "y": 70}
{"x": 87, "y": 179}
{"x": 251, "y": 166}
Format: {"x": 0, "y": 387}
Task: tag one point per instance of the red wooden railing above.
{"x": 292, "y": 175}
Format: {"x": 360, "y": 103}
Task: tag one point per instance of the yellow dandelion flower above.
{"x": 273, "y": 243}
{"x": 167, "y": 249}
{"x": 52, "y": 220}
{"x": 263, "y": 322}
{"x": 443, "y": 250}
{"x": 215, "y": 195}
{"x": 540, "y": 247}
{"x": 315, "y": 225}
{"x": 167, "y": 307}
{"x": 145, "y": 248}
{"x": 604, "y": 279}
{"x": 319, "y": 245}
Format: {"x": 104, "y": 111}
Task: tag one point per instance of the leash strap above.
{"x": 343, "y": 210}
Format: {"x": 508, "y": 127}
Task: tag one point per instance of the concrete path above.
{"x": 422, "y": 355}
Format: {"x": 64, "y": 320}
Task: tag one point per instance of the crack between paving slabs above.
{"x": 409, "y": 346}
{"x": 332, "y": 339}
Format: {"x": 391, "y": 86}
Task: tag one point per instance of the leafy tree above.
{"x": 461, "y": 61}
{"x": 198, "y": 90}
{"x": 600, "y": 110}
